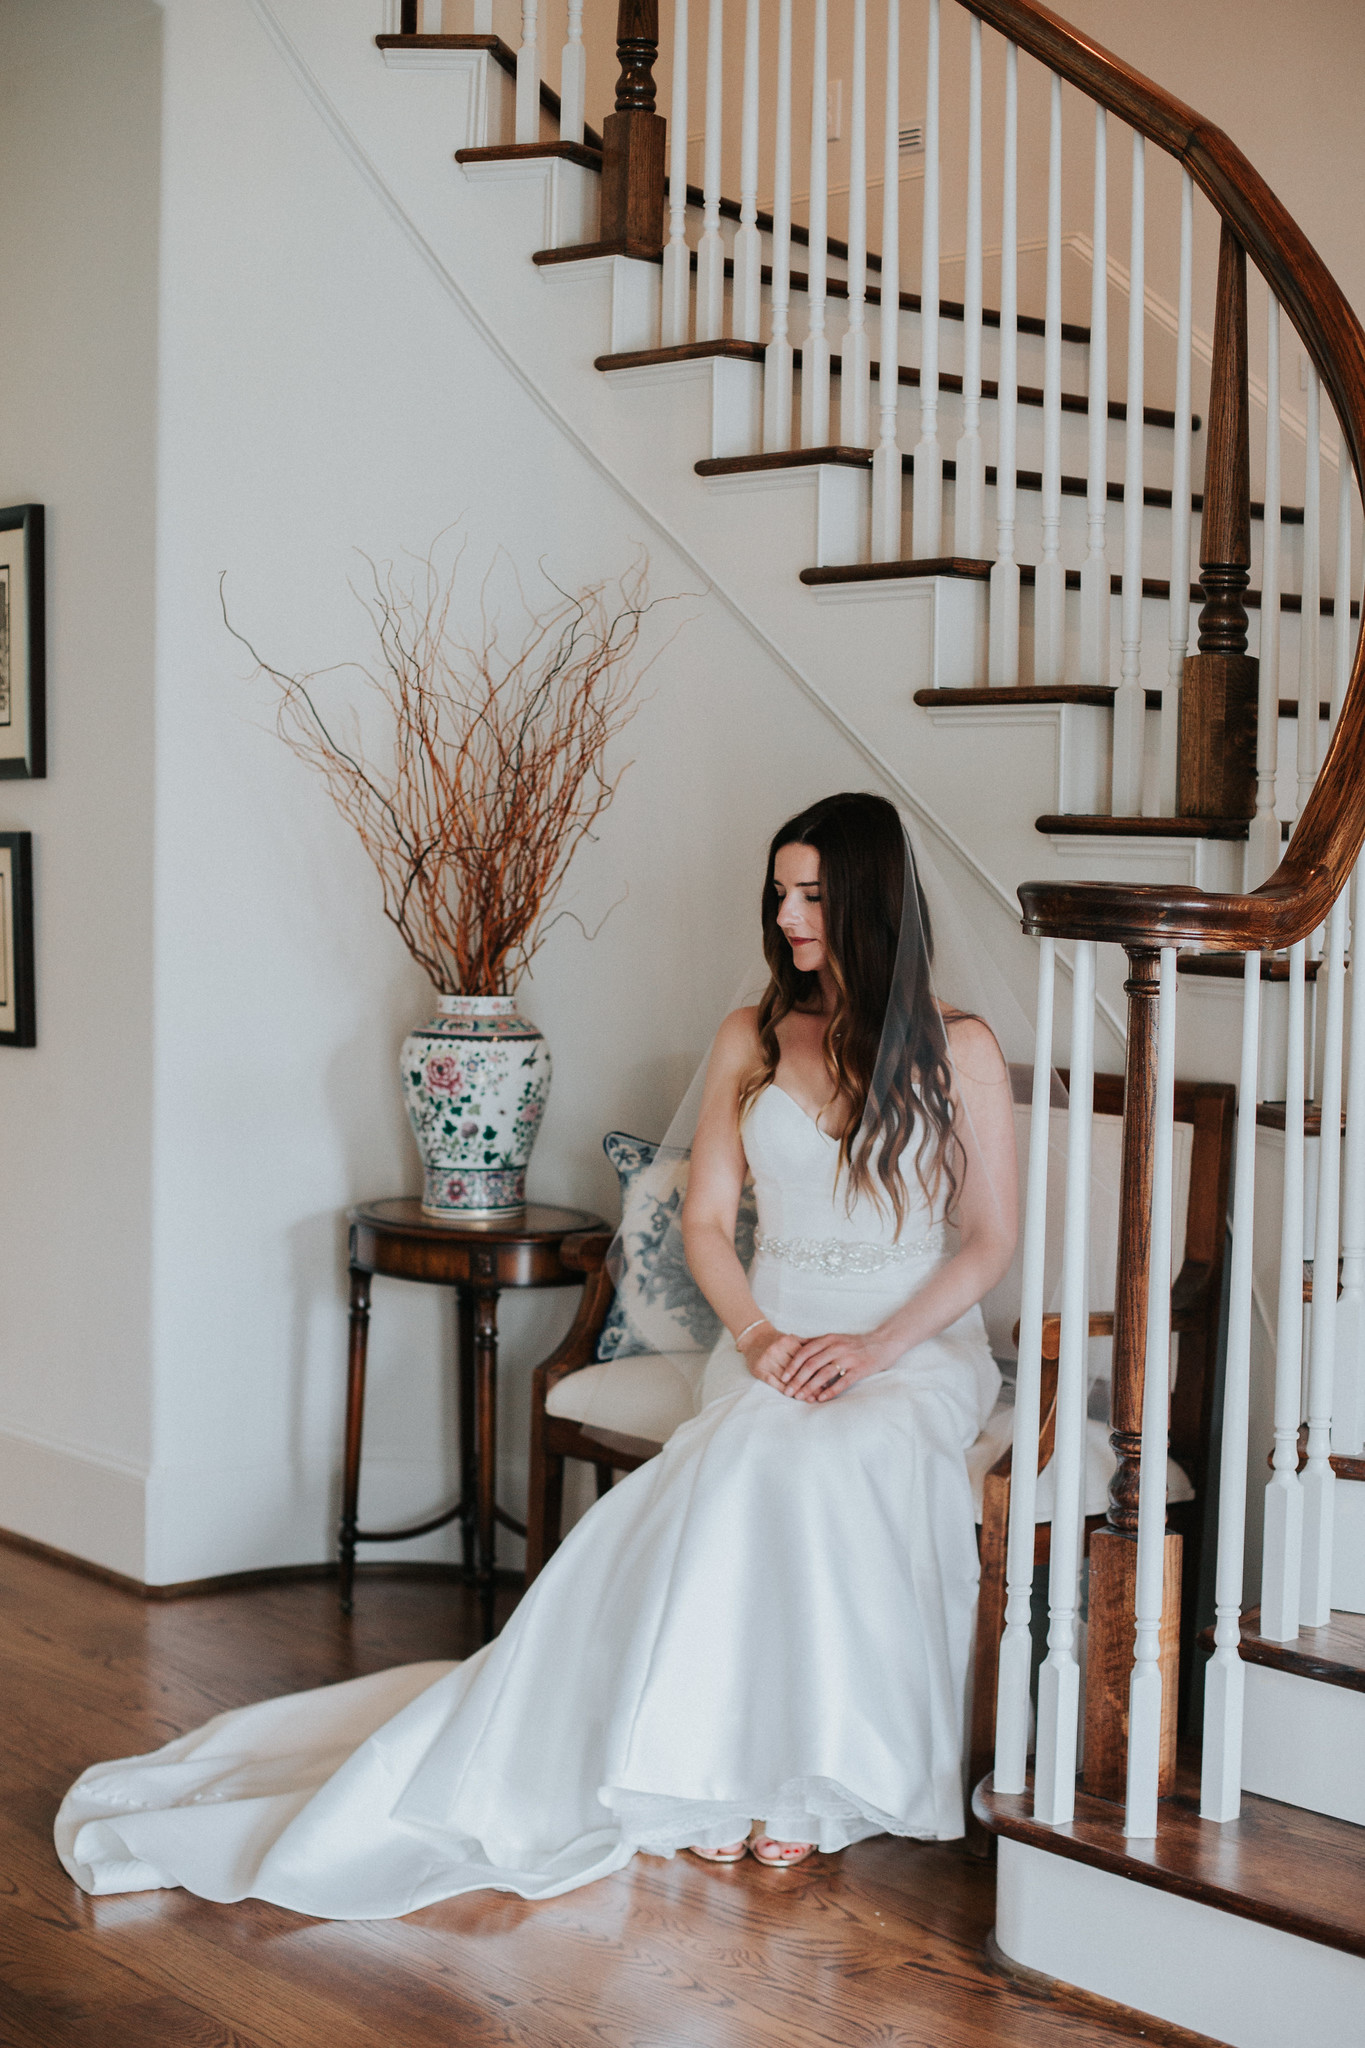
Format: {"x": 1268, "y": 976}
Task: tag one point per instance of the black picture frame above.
{"x": 23, "y": 644}
{"x": 18, "y": 1023}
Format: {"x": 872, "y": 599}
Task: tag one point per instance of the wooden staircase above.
{"x": 1248, "y": 1927}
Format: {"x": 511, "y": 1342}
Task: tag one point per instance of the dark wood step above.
{"x": 505, "y": 57}
{"x": 1270, "y": 1115}
{"x": 1278, "y": 1865}
{"x": 1100, "y": 695}
{"x": 787, "y": 458}
{"x": 727, "y": 350}
{"x": 1228, "y": 967}
{"x": 531, "y": 152}
{"x": 1079, "y": 823}
{"x": 1152, "y": 586}
{"x": 1333, "y": 1654}
{"x": 755, "y": 351}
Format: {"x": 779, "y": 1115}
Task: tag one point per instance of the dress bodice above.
{"x": 802, "y": 1196}
{"x": 812, "y": 1242}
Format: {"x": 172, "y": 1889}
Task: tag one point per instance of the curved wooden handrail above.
{"x": 1331, "y": 829}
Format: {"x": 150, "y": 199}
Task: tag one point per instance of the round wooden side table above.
{"x": 478, "y": 1259}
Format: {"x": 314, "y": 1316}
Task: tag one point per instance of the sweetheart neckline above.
{"x": 814, "y": 1122}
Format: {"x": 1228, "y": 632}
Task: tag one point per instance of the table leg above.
{"x": 469, "y": 1443}
{"x": 355, "y": 1419}
{"x": 486, "y": 1403}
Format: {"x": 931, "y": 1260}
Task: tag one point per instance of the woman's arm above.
{"x": 715, "y": 1184}
{"x": 987, "y": 1217}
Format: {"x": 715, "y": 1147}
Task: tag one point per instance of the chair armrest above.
{"x": 576, "y": 1348}
{"x": 1101, "y": 1325}
{"x": 1047, "y": 1420}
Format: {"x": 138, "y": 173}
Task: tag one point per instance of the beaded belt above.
{"x": 836, "y": 1256}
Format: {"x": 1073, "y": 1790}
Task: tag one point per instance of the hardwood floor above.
{"x": 883, "y": 1946}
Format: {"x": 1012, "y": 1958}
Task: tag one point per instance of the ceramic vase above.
{"x": 475, "y": 1080}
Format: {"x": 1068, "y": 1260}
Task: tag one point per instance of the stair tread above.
{"x": 1270, "y": 1115}
{"x": 1152, "y": 586}
{"x": 787, "y": 458}
{"x": 726, "y": 349}
{"x": 755, "y": 351}
{"x": 1228, "y": 966}
{"x": 532, "y": 152}
{"x": 1334, "y": 1653}
{"x": 1279, "y": 1865}
{"x": 1022, "y": 693}
{"x": 1080, "y": 823}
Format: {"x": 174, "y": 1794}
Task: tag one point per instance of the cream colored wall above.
{"x": 79, "y": 175}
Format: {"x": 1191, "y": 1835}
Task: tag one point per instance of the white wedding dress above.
{"x": 769, "y": 1621}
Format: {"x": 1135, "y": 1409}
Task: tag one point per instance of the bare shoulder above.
{"x": 975, "y": 1048}
{"x": 737, "y": 1043}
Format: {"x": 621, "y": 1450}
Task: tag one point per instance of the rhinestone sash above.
{"x": 835, "y": 1256}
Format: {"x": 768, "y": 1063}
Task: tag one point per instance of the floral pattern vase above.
{"x": 475, "y": 1080}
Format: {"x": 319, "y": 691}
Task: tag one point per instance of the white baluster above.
{"x": 573, "y": 78}
{"x": 1169, "y": 751}
{"x": 1348, "y": 1409}
{"x": 969, "y": 493}
{"x": 1016, "y": 1644}
{"x": 1004, "y": 628}
{"x": 815, "y": 347}
{"x": 1343, "y": 638}
{"x": 1310, "y": 618}
{"x": 1319, "y": 1480}
{"x": 747, "y": 308}
{"x": 528, "y": 74}
{"x": 1263, "y": 838}
{"x": 855, "y": 394}
{"x": 886, "y": 461}
{"x": 927, "y": 528}
{"x": 777, "y": 358}
{"x": 1220, "y": 1792}
{"x": 1282, "y": 1550}
{"x": 1130, "y": 701}
{"x": 1094, "y": 651}
{"x": 431, "y": 11}
{"x": 1054, "y": 1780}
{"x": 711, "y": 248}
{"x": 1144, "y": 1685}
{"x": 1049, "y": 593}
{"x": 677, "y": 281}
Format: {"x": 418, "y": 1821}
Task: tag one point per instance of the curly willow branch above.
{"x": 498, "y": 769}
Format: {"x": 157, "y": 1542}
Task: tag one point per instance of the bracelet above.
{"x": 754, "y": 1325}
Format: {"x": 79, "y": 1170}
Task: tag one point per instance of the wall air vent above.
{"x": 912, "y": 139}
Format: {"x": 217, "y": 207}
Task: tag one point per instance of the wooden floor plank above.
{"x": 883, "y": 1946}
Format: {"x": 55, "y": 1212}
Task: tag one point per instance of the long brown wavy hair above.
{"x": 864, "y": 862}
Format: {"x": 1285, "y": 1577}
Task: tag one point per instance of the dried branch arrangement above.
{"x": 498, "y": 769}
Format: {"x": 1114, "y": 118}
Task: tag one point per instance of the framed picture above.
{"x": 17, "y": 1023}
{"x": 23, "y": 725}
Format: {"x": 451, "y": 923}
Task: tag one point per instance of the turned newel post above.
{"x": 1113, "y": 1549}
{"x": 1218, "y": 698}
{"x": 633, "y": 139}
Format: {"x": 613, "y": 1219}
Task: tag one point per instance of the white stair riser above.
{"x": 1190, "y": 1964}
{"x": 1348, "y": 1538}
{"x": 1304, "y": 1742}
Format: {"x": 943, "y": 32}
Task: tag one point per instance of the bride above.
{"x": 765, "y": 1628}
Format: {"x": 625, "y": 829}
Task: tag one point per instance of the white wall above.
{"x": 79, "y": 146}
{"x": 320, "y": 393}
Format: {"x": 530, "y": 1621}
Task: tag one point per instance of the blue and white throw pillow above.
{"x": 656, "y": 1282}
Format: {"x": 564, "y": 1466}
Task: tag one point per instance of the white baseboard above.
{"x": 1233, "y": 1979}
{"x": 94, "y": 1508}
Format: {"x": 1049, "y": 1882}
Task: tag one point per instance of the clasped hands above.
{"x": 815, "y": 1368}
